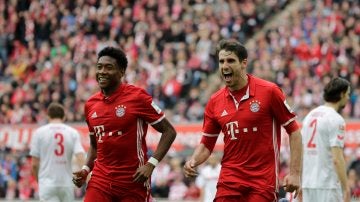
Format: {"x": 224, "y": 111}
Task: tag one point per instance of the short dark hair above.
{"x": 233, "y": 46}
{"x": 115, "y": 53}
{"x": 55, "y": 110}
{"x": 334, "y": 89}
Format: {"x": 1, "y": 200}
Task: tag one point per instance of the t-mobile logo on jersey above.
{"x": 99, "y": 132}
{"x": 232, "y": 129}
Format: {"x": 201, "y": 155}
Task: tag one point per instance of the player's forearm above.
{"x": 201, "y": 154}
{"x": 295, "y": 153}
{"x": 92, "y": 153}
{"x": 167, "y": 138}
{"x": 91, "y": 156}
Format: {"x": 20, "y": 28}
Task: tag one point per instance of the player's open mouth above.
{"x": 227, "y": 76}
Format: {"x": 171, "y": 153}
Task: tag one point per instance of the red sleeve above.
{"x": 292, "y": 127}
{"x": 210, "y": 127}
{"x": 209, "y": 142}
{"x": 147, "y": 109}
{"x": 282, "y": 111}
{"x": 86, "y": 113}
{"x": 210, "y": 124}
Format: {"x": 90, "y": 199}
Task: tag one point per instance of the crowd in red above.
{"x": 48, "y": 52}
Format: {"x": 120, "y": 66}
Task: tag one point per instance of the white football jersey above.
{"x": 55, "y": 144}
{"x": 322, "y": 129}
{"x": 207, "y": 180}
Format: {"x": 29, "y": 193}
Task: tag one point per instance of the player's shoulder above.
{"x": 93, "y": 100}
{"x": 40, "y": 130}
{"x": 94, "y": 97}
{"x": 133, "y": 92}
{"x": 70, "y": 128}
{"x": 328, "y": 113}
{"x": 219, "y": 94}
{"x": 43, "y": 128}
{"x": 132, "y": 89}
{"x": 336, "y": 117}
{"x": 262, "y": 82}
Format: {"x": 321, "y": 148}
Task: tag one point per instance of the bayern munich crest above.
{"x": 120, "y": 110}
{"x": 254, "y": 106}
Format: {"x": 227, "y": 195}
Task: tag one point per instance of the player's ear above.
{"x": 122, "y": 73}
{"x": 243, "y": 63}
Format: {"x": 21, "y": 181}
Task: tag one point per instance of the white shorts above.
{"x": 56, "y": 194}
{"x": 321, "y": 195}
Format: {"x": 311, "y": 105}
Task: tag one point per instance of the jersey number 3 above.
{"x": 311, "y": 143}
{"x": 59, "y": 151}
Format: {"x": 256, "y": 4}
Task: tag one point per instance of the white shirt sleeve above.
{"x": 34, "y": 146}
{"x": 78, "y": 148}
{"x": 337, "y": 132}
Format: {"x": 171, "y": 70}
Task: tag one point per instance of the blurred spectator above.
{"x": 177, "y": 186}
{"x": 193, "y": 192}
{"x": 159, "y": 179}
{"x": 48, "y": 48}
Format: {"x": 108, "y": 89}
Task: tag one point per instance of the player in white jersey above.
{"x": 208, "y": 177}
{"x": 324, "y": 176}
{"x": 52, "y": 148}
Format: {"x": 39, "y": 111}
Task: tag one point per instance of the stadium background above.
{"x": 48, "y": 51}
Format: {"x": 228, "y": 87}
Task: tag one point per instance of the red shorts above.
{"x": 107, "y": 192}
{"x": 243, "y": 193}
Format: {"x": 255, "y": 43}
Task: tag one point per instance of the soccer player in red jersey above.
{"x": 249, "y": 111}
{"x": 118, "y": 118}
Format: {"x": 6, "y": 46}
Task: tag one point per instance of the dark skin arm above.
{"x": 79, "y": 177}
{"x": 167, "y": 138}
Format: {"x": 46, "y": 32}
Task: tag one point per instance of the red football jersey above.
{"x": 120, "y": 123}
{"x": 251, "y": 128}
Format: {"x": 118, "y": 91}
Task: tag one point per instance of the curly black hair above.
{"x": 117, "y": 54}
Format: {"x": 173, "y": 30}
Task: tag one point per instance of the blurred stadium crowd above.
{"x": 48, "y": 53}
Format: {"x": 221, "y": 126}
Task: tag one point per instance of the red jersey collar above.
{"x": 251, "y": 86}
{"x": 114, "y": 95}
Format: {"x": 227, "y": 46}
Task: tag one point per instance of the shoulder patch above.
{"x": 287, "y": 106}
{"x": 157, "y": 108}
